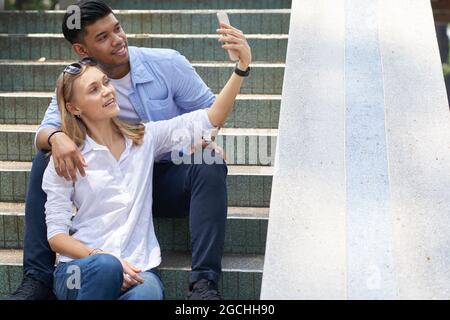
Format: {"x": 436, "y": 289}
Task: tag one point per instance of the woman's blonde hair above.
{"x": 74, "y": 127}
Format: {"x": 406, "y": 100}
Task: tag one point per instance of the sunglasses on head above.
{"x": 75, "y": 68}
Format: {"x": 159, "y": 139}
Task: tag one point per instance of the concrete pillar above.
{"x": 360, "y": 203}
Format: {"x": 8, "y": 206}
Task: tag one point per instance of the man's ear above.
{"x": 80, "y": 50}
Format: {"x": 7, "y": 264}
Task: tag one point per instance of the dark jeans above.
{"x": 197, "y": 190}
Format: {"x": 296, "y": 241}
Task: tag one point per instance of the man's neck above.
{"x": 116, "y": 72}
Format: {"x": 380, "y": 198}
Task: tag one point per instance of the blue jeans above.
{"x": 100, "y": 277}
{"x": 195, "y": 190}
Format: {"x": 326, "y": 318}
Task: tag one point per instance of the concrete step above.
{"x": 241, "y": 274}
{"x": 197, "y": 4}
{"x": 250, "y": 111}
{"x": 242, "y": 146}
{"x": 265, "y": 47}
{"x": 248, "y": 186}
{"x": 266, "y": 21}
{"x": 245, "y": 231}
{"x": 266, "y": 78}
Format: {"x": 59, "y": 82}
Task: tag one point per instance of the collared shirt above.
{"x": 114, "y": 199}
{"x": 165, "y": 85}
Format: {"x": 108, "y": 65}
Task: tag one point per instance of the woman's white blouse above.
{"x": 114, "y": 199}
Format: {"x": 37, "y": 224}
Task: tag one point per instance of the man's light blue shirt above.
{"x": 164, "y": 85}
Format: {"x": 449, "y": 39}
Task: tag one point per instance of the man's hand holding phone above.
{"x": 234, "y": 40}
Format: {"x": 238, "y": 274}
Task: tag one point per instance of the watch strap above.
{"x": 241, "y": 73}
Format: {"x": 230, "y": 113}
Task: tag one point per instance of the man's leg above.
{"x": 201, "y": 190}
{"x": 170, "y": 199}
{"x": 206, "y": 184}
{"x": 38, "y": 259}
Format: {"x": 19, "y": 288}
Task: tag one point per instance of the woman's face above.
{"x": 93, "y": 96}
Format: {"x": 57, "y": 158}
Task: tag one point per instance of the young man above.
{"x": 151, "y": 84}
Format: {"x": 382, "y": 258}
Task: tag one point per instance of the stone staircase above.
{"x": 32, "y": 54}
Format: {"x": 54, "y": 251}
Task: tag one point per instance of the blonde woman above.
{"x": 109, "y": 250}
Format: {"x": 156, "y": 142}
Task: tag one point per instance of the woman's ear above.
{"x": 73, "y": 109}
{"x": 80, "y": 50}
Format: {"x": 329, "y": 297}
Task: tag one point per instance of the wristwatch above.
{"x": 241, "y": 73}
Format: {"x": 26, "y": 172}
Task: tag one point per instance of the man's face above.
{"x": 106, "y": 42}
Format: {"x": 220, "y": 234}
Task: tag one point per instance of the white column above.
{"x": 305, "y": 250}
{"x": 370, "y": 262}
{"x": 360, "y": 204}
{"x": 418, "y": 136}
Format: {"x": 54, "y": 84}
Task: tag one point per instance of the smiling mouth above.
{"x": 109, "y": 103}
{"x": 122, "y": 51}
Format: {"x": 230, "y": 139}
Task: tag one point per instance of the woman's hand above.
{"x": 130, "y": 275}
{"x": 235, "y": 40}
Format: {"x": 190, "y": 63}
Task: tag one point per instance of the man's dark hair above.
{"x": 90, "y": 12}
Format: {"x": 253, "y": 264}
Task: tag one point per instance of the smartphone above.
{"x": 223, "y": 17}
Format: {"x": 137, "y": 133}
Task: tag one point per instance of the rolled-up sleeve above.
{"x": 190, "y": 91}
{"x": 52, "y": 117}
{"x": 58, "y": 208}
{"x": 181, "y": 130}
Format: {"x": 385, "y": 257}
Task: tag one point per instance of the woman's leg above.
{"x": 151, "y": 289}
{"x": 97, "y": 277}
